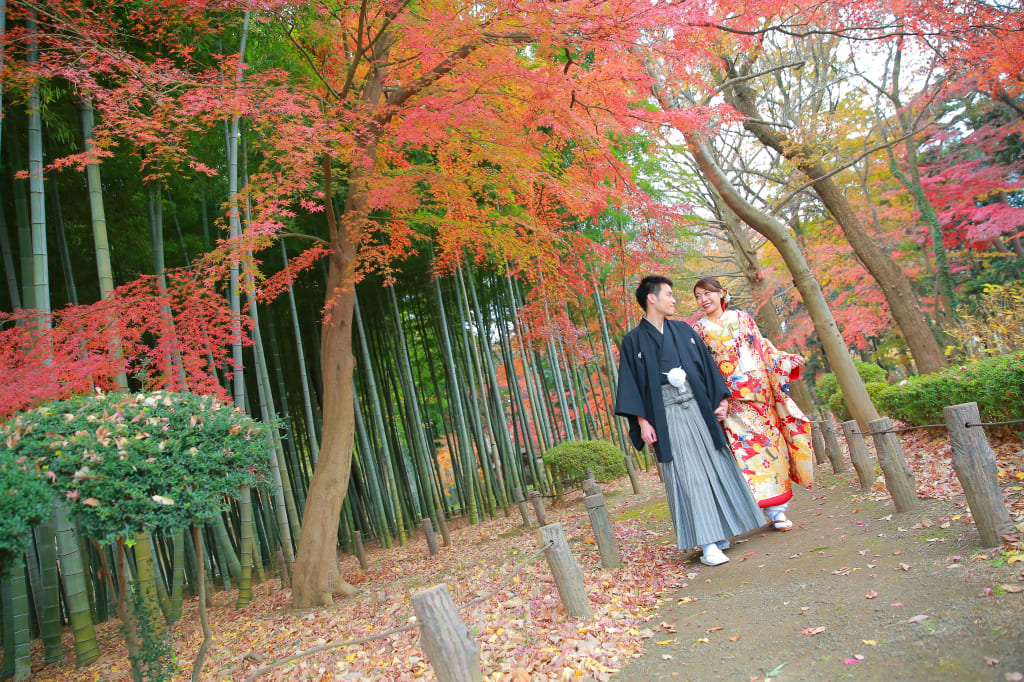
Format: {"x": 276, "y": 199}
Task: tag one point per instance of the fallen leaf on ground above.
{"x": 918, "y": 618}
{"x": 871, "y": 594}
{"x": 1013, "y": 677}
{"x": 991, "y": 661}
{"x": 815, "y": 631}
{"x": 703, "y": 640}
{"x": 869, "y": 642}
{"x": 735, "y": 639}
{"x": 1013, "y": 588}
{"x": 715, "y": 629}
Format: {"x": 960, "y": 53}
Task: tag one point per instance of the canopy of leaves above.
{"x": 24, "y": 503}
{"x": 128, "y": 463}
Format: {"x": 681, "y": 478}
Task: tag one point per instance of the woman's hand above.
{"x": 647, "y": 432}
{"x": 722, "y": 410}
{"x": 798, "y": 360}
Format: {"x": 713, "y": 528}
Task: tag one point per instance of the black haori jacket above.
{"x": 639, "y": 390}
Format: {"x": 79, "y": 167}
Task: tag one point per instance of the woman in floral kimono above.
{"x": 767, "y": 432}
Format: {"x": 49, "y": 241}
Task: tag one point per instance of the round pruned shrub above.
{"x": 144, "y": 462}
{"x": 568, "y": 461}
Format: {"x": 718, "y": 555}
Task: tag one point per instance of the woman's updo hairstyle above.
{"x": 709, "y": 283}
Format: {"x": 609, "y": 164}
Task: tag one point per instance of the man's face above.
{"x": 663, "y": 302}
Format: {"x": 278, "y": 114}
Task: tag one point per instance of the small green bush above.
{"x": 569, "y": 460}
{"x": 829, "y": 393}
{"x": 25, "y": 501}
{"x": 996, "y": 384}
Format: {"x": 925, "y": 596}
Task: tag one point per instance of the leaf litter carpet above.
{"x": 522, "y": 630}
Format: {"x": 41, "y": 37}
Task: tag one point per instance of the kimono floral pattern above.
{"x": 767, "y": 432}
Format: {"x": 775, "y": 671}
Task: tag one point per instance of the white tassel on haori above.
{"x": 677, "y": 377}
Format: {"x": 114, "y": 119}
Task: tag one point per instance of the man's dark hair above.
{"x": 651, "y": 284}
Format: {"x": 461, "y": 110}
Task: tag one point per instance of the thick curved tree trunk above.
{"x": 903, "y": 302}
{"x": 856, "y": 396}
{"x": 316, "y": 578}
{"x": 766, "y": 315}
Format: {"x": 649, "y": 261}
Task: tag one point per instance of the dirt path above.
{"x": 891, "y": 597}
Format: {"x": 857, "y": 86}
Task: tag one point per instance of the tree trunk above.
{"x": 856, "y": 396}
{"x": 766, "y": 315}
{"x": 903, "y": 302}
{"x": 316, "y": 577}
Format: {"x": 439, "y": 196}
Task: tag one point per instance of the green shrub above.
{"x": 569, "y": 460}
{"x": 829, "y": 393}
{"x": 996, "y": 384}
{"x": 25, "y": 502}
{"x": 146, "y": 462}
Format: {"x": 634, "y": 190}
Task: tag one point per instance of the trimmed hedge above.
{"x": 829, "y": 393}
{"x": 569, "y": 460}
{"x": 996, "y": 384}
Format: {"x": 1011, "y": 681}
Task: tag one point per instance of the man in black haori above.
{"x": 672, "y": 393}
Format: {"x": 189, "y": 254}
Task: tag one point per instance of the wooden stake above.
{"x": 428, "y": 530}
{"x": 442, "y": 524}
{"x": 360, "y": 551}
{"x": 835, "y": 454}
{"x": 899, "y": 479}
{"x": 859, "y": 454}
{"x": 566, "y": 572}
{"x": 454, "y": 655}
{"x": 818, "y": 443}
{"x": 602, "y": 526}
{"x": 521, "y": 501}
{"x": 975, "y": 466}
{"x": 631, "y": 470}
{"x": 538, "y": 508}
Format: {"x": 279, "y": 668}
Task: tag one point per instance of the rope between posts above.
{"x": 967, "y": 425}
{"x": 508, "y": 579}
{"x": 362, "y": 640}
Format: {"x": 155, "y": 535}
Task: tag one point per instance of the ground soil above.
{"x": 859, "y": 576}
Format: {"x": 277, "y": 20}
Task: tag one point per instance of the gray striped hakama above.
{"x": 707, "y": 496}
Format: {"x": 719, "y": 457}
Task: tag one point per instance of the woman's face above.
{"x": 709, "y": 301}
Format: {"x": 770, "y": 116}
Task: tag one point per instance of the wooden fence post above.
{"x": 859, "y": 454}
{"x": 602, "y": 526}
{"x": 835, "y": 454}
{"x": 899, "y": 479}
{"x": 631, "y": 470}
{"x": 538, "y": 508}
{"x": 521, "y": 501}
{"x": 360, "y": 551}
{"x": 442, "y": 524}
{"x": 975, "y": 466}
{"x": 566, "y": 572}
{"x": 818, "y": 443}
{"x": 453, "y": 654}
{"x": 428, "y": 530}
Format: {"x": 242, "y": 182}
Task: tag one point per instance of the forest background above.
{"x": 410, "y": 232}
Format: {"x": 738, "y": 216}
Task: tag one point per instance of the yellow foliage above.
{"x": 996, "y": 326}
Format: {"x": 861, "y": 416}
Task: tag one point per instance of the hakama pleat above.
{"x": 708, "y": 497}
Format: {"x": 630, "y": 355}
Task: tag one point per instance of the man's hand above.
{"x": 722, "y": 410}
{"x": 647, "y": 432}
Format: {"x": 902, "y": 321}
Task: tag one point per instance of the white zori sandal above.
{"x": 779, "y": 520}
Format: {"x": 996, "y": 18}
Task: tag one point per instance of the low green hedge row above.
{"x": 996, "y": 384}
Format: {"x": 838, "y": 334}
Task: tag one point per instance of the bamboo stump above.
{"x": 360, "y": 551}
{"x": 631, "y": 470}
{"x": 428, "y": 530}
{"x": 538, "y": 508}
{"x": 859, "y": 454}
{"x": 835, "y": 454}
{"x": 899, "y": 479}
{"x": 454, "y": 655}
{"x": 566, "y": 572}
{"x": 521, "y": 501}
{"x": 818, "y": 443}
{"x": 975, "y": 466}
{"x": 602, "y": 526}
